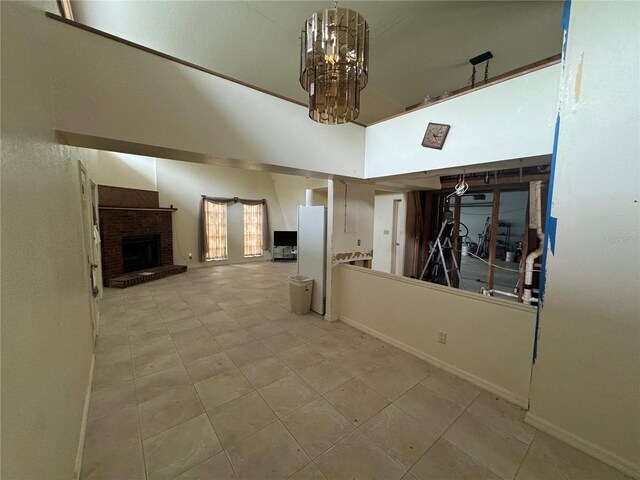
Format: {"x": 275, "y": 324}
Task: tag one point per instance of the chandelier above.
{"x": 334, "y": 64}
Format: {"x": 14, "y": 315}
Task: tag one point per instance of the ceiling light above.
{"x": 483, "y": 57}
{"x": 334, "y": 64}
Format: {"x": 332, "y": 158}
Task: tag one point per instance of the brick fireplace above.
{"x": 136, "y": 233}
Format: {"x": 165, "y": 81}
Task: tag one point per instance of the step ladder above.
{"x": 437, "y": 259}
{"x": 483, "y": 239}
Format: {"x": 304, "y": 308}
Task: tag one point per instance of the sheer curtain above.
{"x": 213, "y": 226}
{"x": 215, "y": 231}
{"x": 252, "y": 230}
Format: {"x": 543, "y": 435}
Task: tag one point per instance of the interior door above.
{"x": 96, "y": 251}
{"x": 89, "y": 252}
{"x": 394, "y": 236}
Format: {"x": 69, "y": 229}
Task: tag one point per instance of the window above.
{"x": 253, "y": 230}
{"x": 215, "y": 231}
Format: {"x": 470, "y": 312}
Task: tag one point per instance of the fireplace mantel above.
{"x": 159, "y": 209}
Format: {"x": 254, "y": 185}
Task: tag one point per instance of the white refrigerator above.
{"x": 312, "y": 246}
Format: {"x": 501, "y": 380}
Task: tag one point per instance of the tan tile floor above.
{"x": 208, "y": 375}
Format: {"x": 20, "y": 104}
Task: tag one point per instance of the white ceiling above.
{"x": 417, "y": 48}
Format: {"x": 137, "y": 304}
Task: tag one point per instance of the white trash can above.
{"x": 300, "y": 287}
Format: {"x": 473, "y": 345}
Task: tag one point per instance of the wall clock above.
{"x": 435, "y": 135}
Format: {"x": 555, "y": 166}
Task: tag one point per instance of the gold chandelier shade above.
{"x": 334, "y": 64}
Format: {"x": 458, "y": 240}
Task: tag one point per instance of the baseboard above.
{"x": 585, "y": 446}
{"x": 480, "y": 382}
{"x": 85, "y": 417}
{"x": 332, "y": 318}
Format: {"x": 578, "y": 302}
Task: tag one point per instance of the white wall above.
{"x": 586, "y": 380}
{"x": 509, "y": 120}
{"x": 345, "y": 228}
{"x": 46, "y": 327}
{"x": 182, "y": 185}
{"x": 489, "y": 342}
{"x": 383, "y": 222}
{"x": 136, "y": 102}
{"x": 353, "y": 207}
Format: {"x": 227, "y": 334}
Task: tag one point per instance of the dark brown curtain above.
{"x": 418, "y": 232}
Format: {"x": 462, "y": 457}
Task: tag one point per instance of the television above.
{"x": 285, "y": 238}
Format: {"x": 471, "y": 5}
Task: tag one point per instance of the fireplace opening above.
{"x": 140, "y": 252}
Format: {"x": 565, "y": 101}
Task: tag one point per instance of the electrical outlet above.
{"x": 442, "y": 337}
{"x": 359, "y": 242}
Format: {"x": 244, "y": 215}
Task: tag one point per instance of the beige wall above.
{"x": 586, "y": 380}
{"x": 128, "y": 171}
{"x": 46, "y": 329}
{"x": 291, "y": 191}
{"x": 182, "y": 185}
{"x": 489, "y": 342}
{"x": 352, "y": 215}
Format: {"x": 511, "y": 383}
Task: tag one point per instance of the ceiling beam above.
{"x": 498, "y": 180}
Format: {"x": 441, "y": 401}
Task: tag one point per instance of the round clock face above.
{"x": 435, "y": 135}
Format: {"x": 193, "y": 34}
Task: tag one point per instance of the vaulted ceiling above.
{"x": 417, "y": 48}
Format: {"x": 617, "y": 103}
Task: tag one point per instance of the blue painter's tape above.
{"x": 566, "y": 15}
{"x": 551, "y": 223}
{"x": 551, "y": 232}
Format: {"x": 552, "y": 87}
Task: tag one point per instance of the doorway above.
{"x": 389, "y": 232}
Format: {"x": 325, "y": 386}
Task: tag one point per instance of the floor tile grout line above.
{"x": 406, "y": 470}
{"x": 144, "y": 458}
{"x": 466, "y": 453}
{"x": 233, "y": 469}
{"x": 524, "y": 458}
{"x": 277, "y": 353}
{"x": 494, "y": 427}
{"x": 288, "y": 414}
{"x": 138, "y": 407}
{"x": 275, "y": 420}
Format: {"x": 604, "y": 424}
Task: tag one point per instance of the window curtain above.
{"x": 212, "y": 230}
{"x": 265, "y": 220}
{"x": 253, "y": 233}
{"x": 204, "y": 238}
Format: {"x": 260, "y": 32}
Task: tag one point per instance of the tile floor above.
{"x": 208, "y": 375}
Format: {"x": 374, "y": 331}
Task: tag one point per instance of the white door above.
{"x": 395, "y": 237}
{"x": 89, "y": 254}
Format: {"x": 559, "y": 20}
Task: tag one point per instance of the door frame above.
{"x": 394, "y": 235}
{"x": 90, "y": 262}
